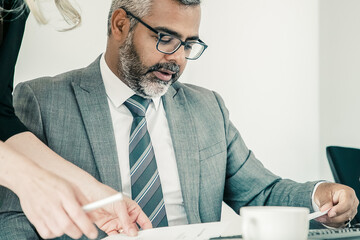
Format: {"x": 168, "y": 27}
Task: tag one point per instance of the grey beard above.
{"x": 136, "y": 76}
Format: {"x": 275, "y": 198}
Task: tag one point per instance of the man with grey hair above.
{"x": 169, "y": 146}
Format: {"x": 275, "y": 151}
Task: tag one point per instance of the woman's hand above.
{"x": 53, "y": 206}
{"x": 52, "y": 196}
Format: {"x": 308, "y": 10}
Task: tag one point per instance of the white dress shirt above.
{"x": 117, "y": 93}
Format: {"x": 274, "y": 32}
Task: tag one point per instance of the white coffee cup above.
{"x": 274, "y": 223}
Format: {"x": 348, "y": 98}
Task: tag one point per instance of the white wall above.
{"x": 339, "y": 75}
{"x": 46, "y": 51}
{"x": 262, "y": 58}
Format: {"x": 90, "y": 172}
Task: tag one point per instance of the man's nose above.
{"x": 178, "y": 57}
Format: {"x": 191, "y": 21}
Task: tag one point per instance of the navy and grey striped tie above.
{"x": 145, "y": 180}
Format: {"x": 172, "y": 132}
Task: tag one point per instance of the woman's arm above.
{"x": 61, "y": 196}
{"x": 42, "y": 196}
{"x": 29, "y": 145}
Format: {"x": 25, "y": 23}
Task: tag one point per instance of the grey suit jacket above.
{"x": 70, "y": 113}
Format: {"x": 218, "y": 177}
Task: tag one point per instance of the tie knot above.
{"x": 137, "y": 105}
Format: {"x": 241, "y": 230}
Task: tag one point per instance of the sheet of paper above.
{"x": 185, "y": 232}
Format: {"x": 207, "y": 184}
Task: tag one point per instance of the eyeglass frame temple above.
{"x": 138, "y": 19}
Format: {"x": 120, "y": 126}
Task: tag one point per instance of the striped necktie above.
{"x": 145, "y": 180}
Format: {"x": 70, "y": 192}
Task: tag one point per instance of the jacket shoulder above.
{"x": 52, "y": 81}
{"x": 65, "y": 79}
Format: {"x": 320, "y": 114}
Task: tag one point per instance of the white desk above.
{"x": 205, "y": 231}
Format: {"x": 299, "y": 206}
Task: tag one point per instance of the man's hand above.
{"x": 342, "y": 201}
{"x": 121, "y": 216}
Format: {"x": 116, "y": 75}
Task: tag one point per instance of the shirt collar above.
{"x": 116, "y": 90}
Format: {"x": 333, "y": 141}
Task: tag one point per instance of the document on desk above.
{"x": 200, "y": 231}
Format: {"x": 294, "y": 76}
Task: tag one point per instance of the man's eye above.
{"x": 166, "y": 40}
{"x": 188, "y": 46}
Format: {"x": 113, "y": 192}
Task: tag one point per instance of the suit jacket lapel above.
{"x": 184, "y": 137}
{"x": 91, "y": 97}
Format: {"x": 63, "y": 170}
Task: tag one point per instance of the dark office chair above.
{"x": 345, "y": 166}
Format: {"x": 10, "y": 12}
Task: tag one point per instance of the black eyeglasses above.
{"x": 168, "y": 44}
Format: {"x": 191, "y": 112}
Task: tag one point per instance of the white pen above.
{"x": 317, "y": 214}
{"x": 98, "y": 204}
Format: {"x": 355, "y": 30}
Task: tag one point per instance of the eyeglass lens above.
{"x": 169, "y": 44}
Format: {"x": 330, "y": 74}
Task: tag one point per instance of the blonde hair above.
{"x": 67, "y": 11}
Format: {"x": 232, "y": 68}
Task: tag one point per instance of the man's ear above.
{"x": 120, "y": 25}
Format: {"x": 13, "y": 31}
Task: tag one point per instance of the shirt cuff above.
{"x": 314, "y": 205}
